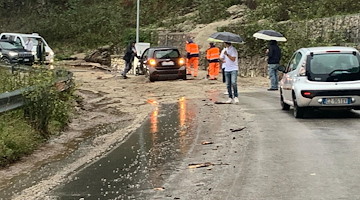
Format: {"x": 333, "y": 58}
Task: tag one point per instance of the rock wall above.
{"x": 347, "y": 27}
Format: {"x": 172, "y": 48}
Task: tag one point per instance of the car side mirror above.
{"x": 282, "y": 68}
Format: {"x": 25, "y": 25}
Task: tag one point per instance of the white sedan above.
{"x": 321, "y": 78}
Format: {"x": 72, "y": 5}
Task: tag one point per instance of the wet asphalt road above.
{"x": 141, "y": 163}
{"x": 312, "y": 158}
{"x": 276, "y": 156}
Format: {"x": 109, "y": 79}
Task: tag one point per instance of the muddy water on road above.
{"x": 142, "y": 162}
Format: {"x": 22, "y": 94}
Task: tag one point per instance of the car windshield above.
{"x": 7, "y": 45}
{"x": 334, "y": 66}
{"x": 169, "y": 53}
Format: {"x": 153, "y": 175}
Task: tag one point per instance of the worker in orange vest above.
{"x": 213, "y": 57}
{"x": 192, "y": 51}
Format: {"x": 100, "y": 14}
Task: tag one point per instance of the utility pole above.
{"x": 137, "y": 20}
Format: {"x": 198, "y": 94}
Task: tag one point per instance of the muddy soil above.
{"x": 114, "y": 107}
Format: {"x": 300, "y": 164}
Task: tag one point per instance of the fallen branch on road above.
{"x": 201, "y": 165}
{"x": 236, "y": 130}
{"x": 206, "y": 143}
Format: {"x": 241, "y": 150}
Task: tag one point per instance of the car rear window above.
{"x": 170, "y": 53}
{"x": 334, "y": 67}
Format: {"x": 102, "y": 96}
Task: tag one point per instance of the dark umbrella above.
{"x": 225, "y": 37}
{"x": 269, "y": 35}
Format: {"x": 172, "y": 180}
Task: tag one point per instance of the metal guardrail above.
{"x": 15, "y": 99}
{"x": 11, "y": 100}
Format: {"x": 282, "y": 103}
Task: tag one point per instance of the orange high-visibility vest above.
{"x": 187, "y": 47}
{"x": 213, "y": 54}
{"x": 192, "y": 49}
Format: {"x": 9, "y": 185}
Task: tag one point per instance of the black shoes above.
{"x": 272, "y": 89}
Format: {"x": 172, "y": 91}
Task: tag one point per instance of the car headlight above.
{"x": 13, "y": 53}
{"x": 33, "y": 53}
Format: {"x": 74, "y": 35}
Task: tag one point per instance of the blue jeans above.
{"x": 231, "y": 83}
{"x": 273, "y": 76}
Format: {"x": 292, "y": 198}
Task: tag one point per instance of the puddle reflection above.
{"x": 142, "y": 162}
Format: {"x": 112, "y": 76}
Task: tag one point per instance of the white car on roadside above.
{"x": 321, "y": 78}
{"x": 21, "y": 40}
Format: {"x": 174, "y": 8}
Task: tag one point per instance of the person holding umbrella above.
{"x": 229, "y": 59}
{"x": 230, "y": 62}
{"x": 274, "y": 55}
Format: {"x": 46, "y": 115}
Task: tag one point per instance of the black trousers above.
{"x": 223, "y": 74}
{"x": 128, "y": 66}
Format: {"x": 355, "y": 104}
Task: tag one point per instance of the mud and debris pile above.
{"x": 100, "y": 55}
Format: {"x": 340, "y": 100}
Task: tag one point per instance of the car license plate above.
{"x": 167, "y": 63}
{"x": 336, "y": 101}
{"x": 26, "y": 59}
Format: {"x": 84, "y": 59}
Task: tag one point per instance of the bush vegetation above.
{"x": 79, "y": 25}
{"x": 46, "y": 112}
{"x": 282, "y": 10}
{"x": 17, "y": 138}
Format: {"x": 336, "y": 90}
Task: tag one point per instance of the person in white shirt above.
{"x": 29, "y": 44}
{"x": 231, "y": 68}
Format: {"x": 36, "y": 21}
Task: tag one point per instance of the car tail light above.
{"x": 302, "y": 71}
{"x": 332, "y": 51}
{"x": 181, "y": 61}
{"x": 307, "y": 94}
{"x": 152, "y": 62}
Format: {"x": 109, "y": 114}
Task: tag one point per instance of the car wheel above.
{"x": 151, "y": 78}
{"x": 5, "y": 60}
{"x": 284, "y": 106}
{"x": 298, "y": 111}
{"x": 184, "y": 77}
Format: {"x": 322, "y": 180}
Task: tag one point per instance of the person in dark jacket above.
{"x": 40, "y": 51}
{"x": 274, "y": 56}
{"x": 130, "y": 53}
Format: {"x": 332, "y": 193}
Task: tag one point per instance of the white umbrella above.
{"x": 270, "y": 35}
{"x": 214, "y": 40}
